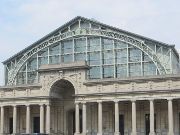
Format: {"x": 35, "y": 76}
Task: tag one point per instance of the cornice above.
{"x": 64, "y": 66}
{"x": 127, "y": 80}
{"x": 25, "y": 86}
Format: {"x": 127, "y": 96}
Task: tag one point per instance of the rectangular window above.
{"x": 94, "y": 44}
{"x": 149, "y": 68}
{"x": 121, "y": 70}
{"x": 54, "y": 59}
{"x": 108, "y": 57}
{"x": 32, "y": 64}
{"x": 31, "y": 77}
{"x": 108, "y": 72}
{"x": 80, "y": 45}
{"x": 94, "y": 73}
{"x": 120, "y": 45}
{"x": 107, "y": 44}
{"x": 134, "y": 55}
{"x": 67, "y": 58}
{"x": 54, "y": 50}
{"x": 67, "y": 46}
{"x": 80, "y": 57}
{"x": 94, "y": 58}
{"x": 135, "y": 69}
{"x": 43, "y": 61}
{"x": 43, "y": 52}
{"x": 121, "y": 56}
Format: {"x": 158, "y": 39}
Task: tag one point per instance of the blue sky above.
{"x": 22, "y": 22}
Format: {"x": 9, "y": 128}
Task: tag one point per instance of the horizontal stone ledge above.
{"x": 140, "y": 79}
{"x": 129, "y": 92}
{"x": 64, "y": 66}
{"x": 24, "y": 86}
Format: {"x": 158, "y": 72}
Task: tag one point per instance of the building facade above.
{"x": 89, "y": 78}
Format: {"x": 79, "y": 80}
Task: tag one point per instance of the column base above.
{"x": 99, "y": 133}
{"x": 152, "y": 133}
{"x": 117, "y": 133}
{"x": 171, "y": 133}
{"x": 76, "y": 133}
{"x": 134, "y": 133}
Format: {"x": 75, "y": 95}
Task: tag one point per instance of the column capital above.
{"x": 27, "y": 105}
{"x": 99, "y": 101}
{"x": 84, "y": 102}
{"x": 116, "y": 101}
{"x": 14, "y": 105}
{"x": 170, "y": 99}
{"x": 76, "y": 102}
{"x": 41, "y": 104}
{"x": 152, "y": 99}
{"x": 133, "y": 100}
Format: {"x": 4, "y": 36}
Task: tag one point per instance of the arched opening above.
{"x": 62, "y": 95}
{"x": 62, "y": 90}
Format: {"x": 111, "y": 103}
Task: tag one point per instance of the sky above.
{"x": 22, "y": 22}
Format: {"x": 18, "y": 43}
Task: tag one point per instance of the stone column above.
{"x": 48, "y": 119}
{"x": 41, "y": 118}
{"x": 2, "y": 120}
{"x": 133, "y": 117}
{"x": 14, "y": 119}
{"x": 84, "y": 118}
{"x": 170, "y": 117}
{"x": 116, "y": 118}
{"x": 152, "y": 118}
{"x": 77, "y": 119}
{"x": 99, "y": 118}
{"x": 28, "y": 119}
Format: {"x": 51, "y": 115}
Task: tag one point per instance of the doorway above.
{"x": 147, "y": 123}
{"x": 121, "y": 124}
{"x": 36, "y": 125}
{"x": 72, "y": 123}
{"x": 10, "y": 125}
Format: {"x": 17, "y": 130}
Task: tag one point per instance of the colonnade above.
{"x": 116, "y": 121}
{"x": 43, "y": 129}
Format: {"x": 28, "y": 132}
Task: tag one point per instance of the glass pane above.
{"x": 67, "y": 58}
{"x": 94, "y": 58}
{"x": 43, "y": 52}
{"x": 121, "y": 71}
{"x": 21, "y": 78}
{"x": 107, "y": 44}
{"x": 134, "y": 55}
{"x": 135, "y": 69}
{"x": 67, "y": 46}
{"x": 145, "y": 57}
{"x": 84, "y": 24}
{"x": 120, "y": 45}
{"x": 149, "y": 68}
{"x": 54, "y": 50}
{"x": 80, "y": 45}
{"x": 94, "y": 44}
{"x": 108, "y": 57}
{"x": 80, "y": 57}
{"x": 43, "y": 61}
{"x": 54, "y": 59}
{"x": 32, "y": 64}
{"x": 108, "y": 71}
{"x": 94, "y": 73}
{"x": 121, "y": 56}
{"x": 32, "y": 77}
